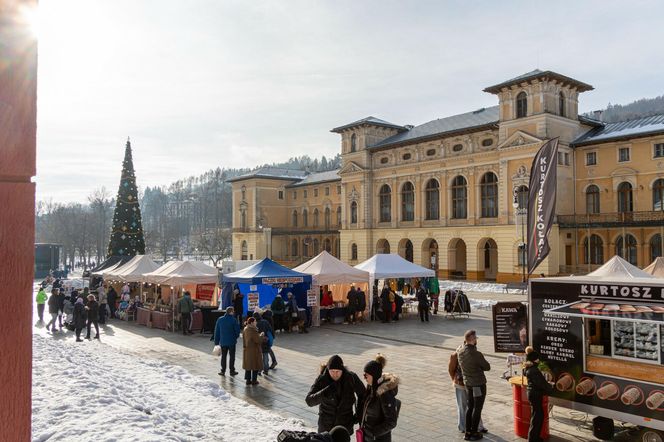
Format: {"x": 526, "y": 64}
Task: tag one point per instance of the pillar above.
{"x": 18, "y": 128}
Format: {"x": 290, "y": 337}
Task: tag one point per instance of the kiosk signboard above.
{"x": 510, "y": 327}
{"x": 604, "y": 345}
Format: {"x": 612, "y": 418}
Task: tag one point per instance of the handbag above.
{"x": 216, "y": 350}
{"x": 359, "y": 435}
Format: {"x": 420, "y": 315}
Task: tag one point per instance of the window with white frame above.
{"x": 591, "y": 158}
{"x": 658, "y": 150}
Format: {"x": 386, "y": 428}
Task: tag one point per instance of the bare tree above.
{"x": 215, "y": 244}
{"x": 101, "y": 206}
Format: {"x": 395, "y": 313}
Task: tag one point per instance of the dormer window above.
{"x": 407, "y": 156}
{"x": 384, "y": 160}
{"x": 521, "y": 105}
{"x": 431, "y": 152}
{"x": 561, "y": 104}
{"x": 487, "y": 142}
{"x": 353, "y": 143}
{"x": 457, "y": 148}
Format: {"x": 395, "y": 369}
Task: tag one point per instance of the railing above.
{"x": 616, "y": 219}
{"x": 290, "y": 230}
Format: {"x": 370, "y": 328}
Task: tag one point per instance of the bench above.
{"x": 521, "y": 286}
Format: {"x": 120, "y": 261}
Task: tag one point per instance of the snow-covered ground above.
{"x": 91, "y": 391}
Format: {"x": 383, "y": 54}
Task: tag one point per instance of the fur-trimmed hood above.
{"x": 387, "y": 382}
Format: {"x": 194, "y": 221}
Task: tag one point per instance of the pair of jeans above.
{"x": 40, "y": 312}
{"x": 251, "y": 375}
{"x": 462, "y": 406}
{"x": 54, "y": 320}
{"x": 230, "y": 352}
{"x": 475, "y": 405}
{"x": 186, "y": 321}
{"x": 96, "y": 324}
{"x": 266, "y": 361}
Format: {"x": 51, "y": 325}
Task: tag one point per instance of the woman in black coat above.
{"x": 335, "y": 391}
{"x": 381, "y": 407}
{"x": 79, "y": 318}
{"x": 538, "y": 387}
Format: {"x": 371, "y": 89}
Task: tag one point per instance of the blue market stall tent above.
{"x": 267, "y": 279}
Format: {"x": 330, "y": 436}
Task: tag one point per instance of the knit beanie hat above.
{"x": 375, "y": 367}
{"x": 531, "y": 354}
{"x": 335, "y": 363}
{"x": 340, "y": 434}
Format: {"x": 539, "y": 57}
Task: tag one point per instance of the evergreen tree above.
{"x": 127, "y": 233}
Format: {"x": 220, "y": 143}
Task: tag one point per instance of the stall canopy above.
{"x": 111, "y": 262}
{"x": 265, "y": 277}
{"x": 615, "y": 269}
{"x": 391, "y": 265}
{"x": 326, "y": 269}
{"x": 178, "y": 273}
{"x": 133, "y": 271}
{"x": 656, "y": 269}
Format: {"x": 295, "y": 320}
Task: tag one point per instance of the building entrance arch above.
{"x": 456, "y": 258}
{"x": 406, "y": 249}
{"x": 487, "y": 259}
{"x": 382, "y": 246}
{"x": 430, "y": 257}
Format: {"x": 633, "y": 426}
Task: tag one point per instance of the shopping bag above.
{"x": 216, "y": 350}
{"x": 359, "y": 435}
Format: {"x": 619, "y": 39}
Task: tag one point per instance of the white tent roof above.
{"x": 656, "y": 269}
{"x": 133, "y": 270}
{"x": 326, "y": 269}
{"x": 615, "y": 270}
{"x": 384, "y": 265}
{"x": 109, "y": 269}
{"x": 183, "y": 272}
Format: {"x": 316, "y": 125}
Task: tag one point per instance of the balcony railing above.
{"x": 616, "y": 219}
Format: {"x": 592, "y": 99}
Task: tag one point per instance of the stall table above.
{"x": 209, "y": 318}
{"x": 161, "y": 320}
{"x": 196, "y": 321}
{"x": 143, "y": 316}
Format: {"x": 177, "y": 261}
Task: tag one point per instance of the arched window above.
{"x": 339, "y": 216}
{"x": 305, "y": 218}
{"x": 353, "y": 212}
{"x": 294, "y": 250}
{"x": 626, "y": 248}
{"x": 432, "y": 200}
{"x": 316, "y": 247}
{"x": 592, "y": 199}
{"x": 522, "y": 197}
{"x": 658, "y": 195}
{"x": 459, "y": 198}
{"x": 353, "y": 143}
{"x": 328, "y": 216}
{"x": 353, "y": 252}
{"x": 561, "y": 104}
{"x": 315, "y": 217}
{"x": 487, "y": 255}
{"x": 596, "y": 251}
{"x": 489, "y": 195}
{"x": 305, "y": 248}
{"x": 655, "y": 247}
{"x": 244, "y": 251}
{"x": 625, "y": 197}
{"x": 407, "y": 202}
{"x": 385, "y": 202}
{"x": 409, "y": 251}
{"x": 327, "y": 245}
{"x": 294, "y": 218}
{"x": 521, "y": 105}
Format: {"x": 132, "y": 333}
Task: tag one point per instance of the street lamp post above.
{"x": 519, "y": 214}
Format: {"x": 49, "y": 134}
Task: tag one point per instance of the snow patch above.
{"x": 91, "y": 391}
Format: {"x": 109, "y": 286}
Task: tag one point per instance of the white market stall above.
{"x": 656, "y": 268}
{"x": 326, "y": 270}
{"x": 391, "y": 265}
{"x": 132, "y": 271}
{"x": 174, "y": 276}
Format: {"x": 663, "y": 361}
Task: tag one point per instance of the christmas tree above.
{"x": 127, "y": 233}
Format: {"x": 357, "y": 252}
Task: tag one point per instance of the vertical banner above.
{"x": 541, "y": 202}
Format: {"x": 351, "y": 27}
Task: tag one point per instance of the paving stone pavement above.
{"x": 417, "y": 352}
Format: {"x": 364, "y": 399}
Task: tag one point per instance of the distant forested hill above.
{"x": 644, "y": 107}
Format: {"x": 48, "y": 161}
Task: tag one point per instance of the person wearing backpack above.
{"x": 473, "y": 365}
{"x": 336, "y": 391}
{"x": 336, "y": 434}
{"x": 381, "y": 407}
{"x": 454, "y": 371}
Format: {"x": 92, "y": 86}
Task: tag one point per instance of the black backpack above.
{"x": 298, "y": 436}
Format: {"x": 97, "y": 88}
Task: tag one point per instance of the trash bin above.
{"x": 522, "y": 408}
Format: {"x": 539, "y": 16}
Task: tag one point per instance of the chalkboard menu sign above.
{"x": 510, "y": 327}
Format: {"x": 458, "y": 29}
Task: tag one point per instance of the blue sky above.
{"x": 199, "y": 84}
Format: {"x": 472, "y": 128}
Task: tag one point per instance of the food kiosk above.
{"x": 602, "y": 335}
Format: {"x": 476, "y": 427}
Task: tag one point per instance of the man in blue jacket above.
{"x": 226, "y": 332}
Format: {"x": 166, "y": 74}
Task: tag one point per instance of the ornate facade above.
{"x": 451, "y": 193}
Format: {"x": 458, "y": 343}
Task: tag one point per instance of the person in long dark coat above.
{"x": 238, "y": 305}
{"x": 112, "y": 299}
{"x": 252, "y": 354}
{"x": 336, "y": 391}
{"x": 538, "y": 387}
{"x": 92, "y": 308}
{"x": 381, "y": 407}
{"x": 79, "y": 318}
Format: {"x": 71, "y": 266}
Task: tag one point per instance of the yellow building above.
{"x": 451, "y": 193}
